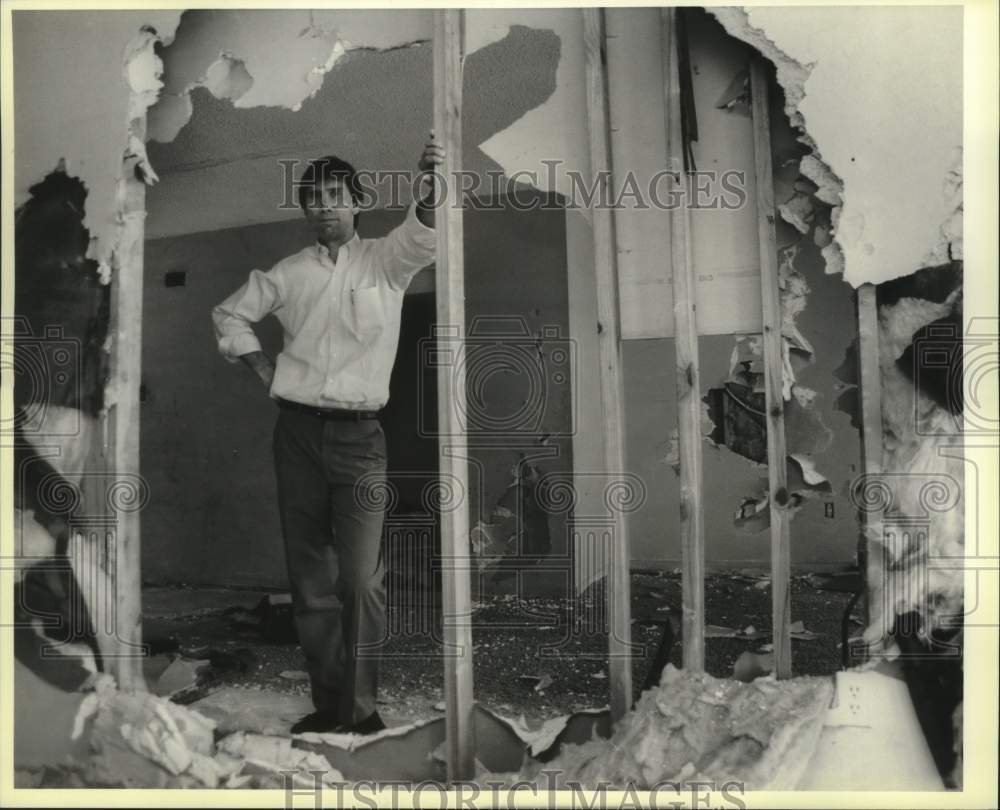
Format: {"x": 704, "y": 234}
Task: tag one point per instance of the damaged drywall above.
{"x": 79, "y": 79}
{"x": 848, "y": 75}
{"x": 818, "y": 327}
{"x": 234, "y": 159}
{"x": 822, "y": 445}
{"x": 269, "y": 58}
{"x": 736, "y": 402}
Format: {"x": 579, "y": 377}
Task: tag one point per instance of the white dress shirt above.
{"x": 340, "y": 316}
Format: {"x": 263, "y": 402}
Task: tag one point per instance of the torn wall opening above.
{"x": 228, "y": 77}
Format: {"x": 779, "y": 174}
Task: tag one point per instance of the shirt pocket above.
{"x": 367, "y": 312}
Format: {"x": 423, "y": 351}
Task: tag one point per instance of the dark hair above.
{"x": 328, "y": 168}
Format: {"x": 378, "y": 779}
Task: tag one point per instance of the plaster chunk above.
{"x": 692, "y": 726}
{"x": 227, "y": 77}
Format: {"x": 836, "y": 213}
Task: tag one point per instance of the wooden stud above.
{"x": 619, "y": 586}
{"x": 106, "y": 553}
{"x": 123, "y": 419}
{"x": 773, "y": 353}
{"x": 689, "y": 407}
{"x": 870, "y": 388}
{"x": 455, "y": 585}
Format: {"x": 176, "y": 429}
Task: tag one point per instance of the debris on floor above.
{"x": 799, "y": 632}
{"x": 750, "y": 666}
{"x": 294, "y": 675}
{"x": 142, "y": 740}
{"x": 181, "y": 675}
{"x": 272, "y": 618}
{"x": 268, "y": 757}
{"x": 260, "y": 711}
{"x": 695, "y": 726}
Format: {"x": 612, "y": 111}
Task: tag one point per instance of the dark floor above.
{"x": 539, "y": 656}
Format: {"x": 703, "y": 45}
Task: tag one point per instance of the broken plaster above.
{"x": 87, "y": 76}
{"x": 279, "y": 61}
{"x": 848, "y": 75}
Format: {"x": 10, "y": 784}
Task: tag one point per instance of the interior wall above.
{"x": 818, "y": 539}
{"x": 206, "y": 424}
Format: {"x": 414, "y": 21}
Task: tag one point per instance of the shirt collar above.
{"x": 350, "y": 247}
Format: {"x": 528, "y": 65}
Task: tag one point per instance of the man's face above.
{"x": 330, "y": 210}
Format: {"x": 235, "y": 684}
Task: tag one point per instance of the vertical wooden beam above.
{"x": 773, "y": 352}
{"x": 619, "y": 587}
{"x": 106, "y": 545}
{"x": 689, "y": 409}
{"x": 870, "y": 389}
{"x": 123, "y": 425}
{"x": 452, "y": 454}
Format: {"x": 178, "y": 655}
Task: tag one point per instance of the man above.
{"x": 339, "y": 302}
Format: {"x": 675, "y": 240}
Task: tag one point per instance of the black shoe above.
{"x": 371, "y": 724}
{"x": 319, "y": 721}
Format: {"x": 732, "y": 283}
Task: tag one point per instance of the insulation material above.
{"x": 140, "y": 740}
{"x": 62, "y": 308}
{"x": 73, "y": 87}
{"x": 920, "y": 495}
{"x": 694, "y": 726}
{"x": 848, "y": 74}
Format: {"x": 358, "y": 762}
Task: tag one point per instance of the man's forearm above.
{"x": 261, "y": 364}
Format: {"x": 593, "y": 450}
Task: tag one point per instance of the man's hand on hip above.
{"x": 262, "y": 366}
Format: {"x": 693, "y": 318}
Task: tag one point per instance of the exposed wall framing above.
{"x": 457, "y": 599}
{"x": 609, "y": 346}
{"x": 774, "y": 400}
{"x": 688, "y": 379}
{"x": 117, "y": 602}
{"x": 870, "y": 388}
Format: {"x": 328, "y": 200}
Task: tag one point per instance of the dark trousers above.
{"x": 331, "y": 519}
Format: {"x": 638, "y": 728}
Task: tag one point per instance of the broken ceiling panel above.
{"x": 73, "y": 93}
{"x": 848, "y": 74}
{"x": 222, "y": 169}
{"x": 285, "y": 54}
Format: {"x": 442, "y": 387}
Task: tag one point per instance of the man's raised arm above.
{"x": 412, "y": 245}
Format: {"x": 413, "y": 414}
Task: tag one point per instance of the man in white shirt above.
{"x": 339, "y": 302}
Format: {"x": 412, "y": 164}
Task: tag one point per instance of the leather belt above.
{"x": 343, "y": 414}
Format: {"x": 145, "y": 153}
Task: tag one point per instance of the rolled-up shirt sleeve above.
{"x": 258, "y": 298}
{"x": 407, "y": 250}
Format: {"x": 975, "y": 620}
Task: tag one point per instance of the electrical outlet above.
{"x": 828, "y": 509}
